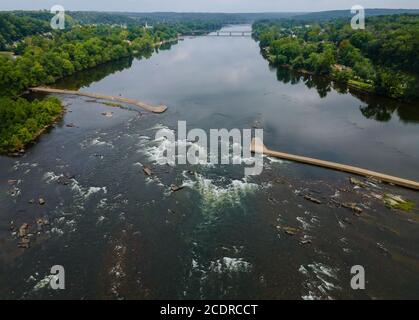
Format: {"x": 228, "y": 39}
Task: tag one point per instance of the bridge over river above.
{"x": 235, "y": 33}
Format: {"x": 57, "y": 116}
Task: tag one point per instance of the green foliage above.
{"x": 14, "y": 28}
{"x": 21, "y": 121}
{"x": 298, "y": 62}
{"x": 45, "y": 57}
{"x": 383, "y": 57}
{"x": 361, "y": 85}
{"x": 393, "y": 84}
{"x": 343, "y": 76}
{"x": 397, "y": 202}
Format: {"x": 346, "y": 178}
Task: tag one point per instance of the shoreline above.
{"x": 330, "y": 77}
{"x": 37, "y": 136}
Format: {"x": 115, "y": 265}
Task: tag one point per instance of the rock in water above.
{"x": 357, "y": 210}
{"x": 358, "y": 183}
{"x": 23, "y": 230}
{"x": 175, "y": 188}
{"x": 24, "y": 243}
{"x": 290, "y": 231}
{"x": 148, "y": 171}
{"x": 312, "y": 199}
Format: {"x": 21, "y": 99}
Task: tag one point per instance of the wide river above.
{"x": 120, "y": 234}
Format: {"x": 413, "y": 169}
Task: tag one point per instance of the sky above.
{"x": 206, "y": 5}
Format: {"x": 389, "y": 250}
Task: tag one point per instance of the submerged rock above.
{"x": 24, "y": 243}
{"x": 358, "y": 183}
{"x": 40, "y": 223}
{"x": 176, "y": 188}
{"x": 312, "y": 199}
{"x": 353, "y": 206}
{"x": 305, "y": 241}
{"x": 23, "y": 230}
{"x": 290, "y": 231}
{"x": 397, "y": 202}
{"x": 147, "y": 171}
{"x": 107, "y": 114}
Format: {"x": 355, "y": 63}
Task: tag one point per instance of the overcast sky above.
{"x": 206, "y": 5}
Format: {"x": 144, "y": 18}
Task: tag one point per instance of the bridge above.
{"x": 236, "y": 33}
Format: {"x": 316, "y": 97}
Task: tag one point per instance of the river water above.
{"x": 121, "y": 234}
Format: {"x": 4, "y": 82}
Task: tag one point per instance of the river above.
{"x": 121, "y": 234}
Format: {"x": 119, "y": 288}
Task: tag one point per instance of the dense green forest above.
{"x": 22, "y": 121}
{"x": 43, "y": 56}
{"x": 135, "y": 18}
{"x": 45, "y": 59}
{"x": 13, "y": 28}
{"x": 323, "y": 16}
{"x": 381, "y": 59}
{"x": 17, "y": 25}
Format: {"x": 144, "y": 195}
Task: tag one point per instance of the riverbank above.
{"x": 222, "y": 230}
{"x": 35, "y": 118}
{"x": 15, "y": 143}
{"x": 356, "y": 85}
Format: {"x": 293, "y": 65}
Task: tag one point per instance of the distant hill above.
{"x": 130, "y": 18}
{"x": 140, "y": 18}
{"x": 233, "y": 17}
{"x": 336, "y": 14}
{"x": 172, "y": 17}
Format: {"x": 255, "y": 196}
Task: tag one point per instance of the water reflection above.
{"x": 376, "y": 108}
{"x": 87, "y": 77}
{"x": 122, "y": 234}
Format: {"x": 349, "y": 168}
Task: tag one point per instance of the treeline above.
{"x": 16, "y": 25}
{"x": 14, "y": 28}
{"x": 45, "y": 55}
{"x": 22, "y": 121}
{"x": 346, "y": 14}
{"x": 44, "y": 59}
{"x": 382, "y": 58}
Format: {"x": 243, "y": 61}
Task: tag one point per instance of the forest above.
{"x": 22, "y": 121}
{"x": 381, "y": 59}
{"x": 16, "y": 25}
{"x": 13, "y": 28}
{"x": 41, "y": 56}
